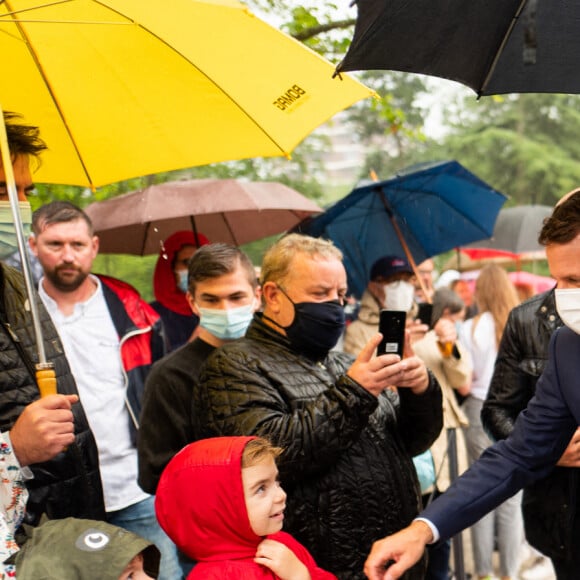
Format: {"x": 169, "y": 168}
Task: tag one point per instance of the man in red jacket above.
{"x": 111, "y": 338}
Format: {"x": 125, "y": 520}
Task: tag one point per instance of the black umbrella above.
{"x": 492, "y": 46}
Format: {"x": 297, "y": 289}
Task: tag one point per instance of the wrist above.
{"x": 424, "y": 385}
{"x": 422, "y": 531}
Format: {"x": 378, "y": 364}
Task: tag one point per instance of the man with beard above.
{"x": 348, "y": 438}
{"x": 111, "y": 338}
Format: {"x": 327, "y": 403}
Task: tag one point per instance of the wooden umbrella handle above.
{"x": 46, "y": 379}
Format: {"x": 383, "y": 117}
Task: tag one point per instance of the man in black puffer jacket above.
{"x": 69, "y": 484}
{"x": 348, "y": 436}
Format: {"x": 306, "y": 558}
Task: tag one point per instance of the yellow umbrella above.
{"x": 123, "y": 88}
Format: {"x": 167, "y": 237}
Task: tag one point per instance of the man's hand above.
{"x": 388, "y": 370}
{"x": 393, "y": 555}
{"x": 44, "y": 429}
{"x": 571, "y": 456}
{"x": 445, "y": 330}
{"x": 374, "y": 374}
{"x": 281, "y": 560}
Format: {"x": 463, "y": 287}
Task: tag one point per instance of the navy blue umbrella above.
{"x": 419, "y": 213}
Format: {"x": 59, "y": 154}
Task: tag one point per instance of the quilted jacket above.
{"x": 347, "y": 464}
{"x": 549, "y": 505}
{"x": 69, "y": 484}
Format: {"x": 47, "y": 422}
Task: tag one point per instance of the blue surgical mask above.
{"x": 8, "y": 243}
{"x": 182, "y": 282}
{"x": 227, "y": 324}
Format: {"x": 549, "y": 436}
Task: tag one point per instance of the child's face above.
{"x": 265, "y": 499}
{"x": 134, "y": 570}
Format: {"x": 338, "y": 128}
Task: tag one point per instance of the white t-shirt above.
{"x": 481, "y": 344}
{"x": 91, "y": 346}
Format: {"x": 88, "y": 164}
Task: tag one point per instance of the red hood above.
{"x": 200, "y": 501}
{"x": 164, "y": 285}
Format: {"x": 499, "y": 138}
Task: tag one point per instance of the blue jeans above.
{"x": 140, "y": 519}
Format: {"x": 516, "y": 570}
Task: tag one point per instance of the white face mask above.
{"x": 399, "y": 295}
{"x": 568, "y": 307}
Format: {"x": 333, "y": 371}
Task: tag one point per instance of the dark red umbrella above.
{"x": 225, "y": 210}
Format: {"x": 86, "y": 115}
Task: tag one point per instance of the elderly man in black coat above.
{"x": 348, "y": 433}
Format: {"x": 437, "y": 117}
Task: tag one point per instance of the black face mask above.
{"x": 316, "y": 327}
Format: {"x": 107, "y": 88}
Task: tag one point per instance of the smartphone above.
{"x": 392, "y": 327}
{"x": 425, "y": 313}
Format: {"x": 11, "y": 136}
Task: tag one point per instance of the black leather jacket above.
{"x": 69, "y": 484}
{"x": 549, "y": 505}
{"x": 346, "y": 464}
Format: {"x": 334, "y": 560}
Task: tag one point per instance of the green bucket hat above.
{"x": 78, "y": 549}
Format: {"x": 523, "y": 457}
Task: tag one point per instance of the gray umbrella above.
{"x": 516, "y": 231}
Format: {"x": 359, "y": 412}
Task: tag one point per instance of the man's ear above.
{"x": 32, "y": 244}
{"x": 192, "y": 303}
{"x": 272, "y": 296}
{"x": 258, "y": 298}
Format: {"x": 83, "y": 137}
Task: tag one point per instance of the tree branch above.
{"x": 316, "y": 30}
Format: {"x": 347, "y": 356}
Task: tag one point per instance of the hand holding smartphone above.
{"x": 392, "y": 327}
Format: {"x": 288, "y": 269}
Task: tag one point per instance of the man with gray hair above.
{"x": 348, "y": 435}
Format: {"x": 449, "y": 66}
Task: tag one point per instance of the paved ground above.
{"x": 532, "y": 567}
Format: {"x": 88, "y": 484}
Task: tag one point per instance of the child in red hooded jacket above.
{"x": 220, "y": 501}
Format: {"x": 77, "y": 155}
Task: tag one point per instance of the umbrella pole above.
{"x": 194, "y": 229}
{"x": 45, "y": 375}
{"x": 405, "y": 247}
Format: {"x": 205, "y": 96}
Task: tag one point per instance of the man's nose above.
{"x": 68, "y": 253}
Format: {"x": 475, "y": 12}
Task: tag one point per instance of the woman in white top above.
{"x": 495, "y": 296}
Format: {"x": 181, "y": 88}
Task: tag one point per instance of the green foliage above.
{"x": 391, "y": 126}
{"x": 323, "y": 26}
{"x": 135, "y": 270}
{"x": 524, "y": 145}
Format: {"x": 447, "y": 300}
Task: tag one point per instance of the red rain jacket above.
{"x": 200, "y": 505}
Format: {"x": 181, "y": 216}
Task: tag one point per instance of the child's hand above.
{"x": 281, "y": 560}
